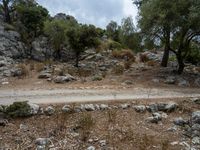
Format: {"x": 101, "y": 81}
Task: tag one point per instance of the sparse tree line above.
{"x": 173, "y": 25}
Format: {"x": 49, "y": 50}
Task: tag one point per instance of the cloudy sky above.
{"x": 97, "y": 12}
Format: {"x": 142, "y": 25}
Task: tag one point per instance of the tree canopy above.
{"x": 175, "y": 23}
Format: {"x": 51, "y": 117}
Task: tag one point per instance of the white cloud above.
{"x": 97, "y": 12}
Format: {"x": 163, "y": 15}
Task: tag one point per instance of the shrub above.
{"x": 86, "y": 122}
{"x": 18, "y": 109}
{"x": 112, "y": 116}
{"x": 172, "y": 58}
{"x": 112, "y": 45}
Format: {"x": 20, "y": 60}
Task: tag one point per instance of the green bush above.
{"x": 194, "y": 56}
{"x": 18, "y": 109}
{"x": 112, "y": 45}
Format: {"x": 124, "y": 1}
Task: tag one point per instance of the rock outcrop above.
{"x": 10, "y": 43}
{"x": 41, "y": 49}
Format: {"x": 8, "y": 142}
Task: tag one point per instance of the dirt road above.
{"x": 77, "y": 95}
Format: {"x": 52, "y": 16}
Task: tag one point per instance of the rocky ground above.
{"x": 146, "y": 124}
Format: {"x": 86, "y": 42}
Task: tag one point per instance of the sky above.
{"x": 97, "y": 12}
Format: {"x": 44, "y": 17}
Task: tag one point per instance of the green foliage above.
{"x": 18, "y": 109}
{"x": 113, "y": 45}
{"x": 55, "y": 30}
{"x": 31, "y": 17}
{"x": 194, "y": 56}
{"x": 174, "y": 23}
{"x": 81, "y": 37}
{"x": 128, "y": 36}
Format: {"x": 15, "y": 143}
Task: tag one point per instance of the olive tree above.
{"x": 81, "y": 37}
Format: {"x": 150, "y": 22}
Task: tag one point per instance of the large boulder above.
{"x": 10, "y": 44}
{"x": 41, "y": 49}
{"x": 64, "y": 79}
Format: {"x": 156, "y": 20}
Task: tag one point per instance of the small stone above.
{"x": 196, "y": 117}
{"x": 171, "y": 107}
{"x": 89, "y": 107}
{"x": 90, "y": 141}
{"x": 196, "y": 127}
{"x": 158, "y": 116}
{"x": 164, "y": 115}
{"x": 34, "y": 108}
{"x": 128, "y": 82}
{"x": 5, "y": 83}
{"x": 104, "y": 107}
{"x": 42, "y": 141}
{"x": 172, "y": 129}
{"x": 44, "y": 75}
{"x": 170, "y": 80}
{"x": 174, "y": 143}
{"x": 156, "y": 80}
{"x": 196, "y": 100}
{"x": 152, "y": 108}
{"x": 152, "y": 120}
{"x": 41, "y": 147}
{"x": 49, "y": 110}
{"x": 183, "y": 83}
{"x": 102, "y": 143}
{"x": 3, "y": 122}
{"x": 23, "y": 127}
{"x": 140, "y": 108}
{"x": 95, "y": 139}
{"x": 180, "y": 122}
{"x": 77, "y": 109}
{"x": 67, "y": 109}
{"x": 125, "y": 106}
{"x": 91, "y": 148}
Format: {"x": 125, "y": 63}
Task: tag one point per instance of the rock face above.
{"x": 41, "y": 49}
{"x": 10, "y": 44}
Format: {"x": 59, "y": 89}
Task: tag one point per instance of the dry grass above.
{"x": 144, "y": 58}
{"x": 128, "y": 64}
{"x": 152, "y": 63}
{"x": 39, "y": 66}
{"x": 118, "y": 70}
{"x": 125, "y": 54}
{"x": 85, "y": 124}
{"x": 24, "y": 69}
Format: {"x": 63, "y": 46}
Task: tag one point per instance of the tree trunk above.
{"x": 167, "y": 48}
{"x": 165, "y": 57}
{"x": 181, "y": 64}
{"x": 7, "y": 17}
{"x": 77, "y": 59}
